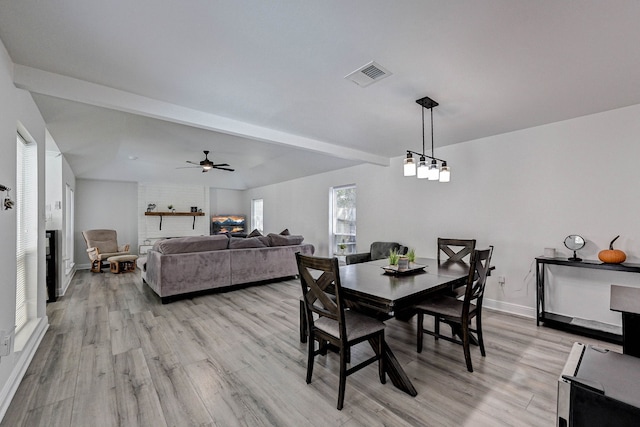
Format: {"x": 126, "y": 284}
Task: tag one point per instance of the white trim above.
{"x": 24, "y": 359}
{"x": 507, "y": 307}
{"x": 83, "y": 266}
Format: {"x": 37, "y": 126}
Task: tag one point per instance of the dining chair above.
{"x": 335, "y": 324}
{"x": 455, "y": 249}
{"x": 458, "y": 313}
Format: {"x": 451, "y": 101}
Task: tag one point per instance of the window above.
{"x": 343, "y": 219}
{"x": 69, "y": 230}
{"x": 27, "y": 231}
{"x": 257, "y": 219}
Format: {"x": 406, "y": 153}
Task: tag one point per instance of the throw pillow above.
{"x": 285, "y": 232}
{"x": 280, "y": 240}
{"x": 255, "y": 233}
{"x": 249, "y": 242}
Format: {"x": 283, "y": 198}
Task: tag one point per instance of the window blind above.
{"x": 27, "y": 227}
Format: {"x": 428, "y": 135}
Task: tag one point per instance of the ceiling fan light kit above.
{"x": 426, "y": 170}
{"x": 207, "y": 164}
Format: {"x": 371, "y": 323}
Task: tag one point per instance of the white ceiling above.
{"x": 260, "y": 83}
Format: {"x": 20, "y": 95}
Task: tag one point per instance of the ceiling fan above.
{"x": 207, "y": 164}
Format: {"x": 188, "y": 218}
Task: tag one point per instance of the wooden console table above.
{"x": 163, "y": 214}
{"x": 565, "y": 322}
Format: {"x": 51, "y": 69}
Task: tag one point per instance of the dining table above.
{"x": 373, "y": 287}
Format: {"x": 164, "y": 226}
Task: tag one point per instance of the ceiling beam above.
{"x": 59, "y": 86}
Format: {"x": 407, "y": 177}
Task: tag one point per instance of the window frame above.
{"x": 257, "y": 215}
{"x": 337, "y": 235}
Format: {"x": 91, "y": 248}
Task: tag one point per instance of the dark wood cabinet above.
{"x": 51, "y": 263}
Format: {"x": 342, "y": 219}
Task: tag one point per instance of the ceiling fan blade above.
{"x": 215, "y": 165}
{"x": 225, "y": 169}
{"x": 193, "y": 163}
{"x": 187, "y": 167}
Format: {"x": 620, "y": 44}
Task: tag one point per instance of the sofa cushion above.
{"x": 255, "y": 233}
{"x": 248, "y": 242}
{"x": 280, "y": 240}
{"x": 192, "y": 244}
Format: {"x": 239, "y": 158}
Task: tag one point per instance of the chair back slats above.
{"x": 315, "y": 291}
{"x": 477, "y": 279}
{"x": 455, "y": 249}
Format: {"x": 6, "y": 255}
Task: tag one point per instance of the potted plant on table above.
{"x": 411, "y": 255}
{"x": 393, "y": 257}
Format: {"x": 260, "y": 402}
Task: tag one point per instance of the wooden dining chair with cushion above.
{"x": 456, "y": 250}
{"x": 459, "y": 313}
{"x": 329, "y": 322}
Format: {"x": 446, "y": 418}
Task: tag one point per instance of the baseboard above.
{"x": 83, "y": 266}
{"x": 507, "y": 307}
{"x": 63, "y": 290}
{"x": 24, "y": 359}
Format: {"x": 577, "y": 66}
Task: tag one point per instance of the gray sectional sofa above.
{"x": 175, "y": 267}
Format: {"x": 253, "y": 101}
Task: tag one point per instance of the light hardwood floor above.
{"x": 115, "y": 356}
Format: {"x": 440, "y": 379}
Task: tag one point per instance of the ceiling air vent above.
{"x": 367, "y": 74}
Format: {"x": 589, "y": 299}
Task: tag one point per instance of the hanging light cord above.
{"x": 432, "y": 156}
{"x": 423, "y": 131}
{"x": 432, "y": 152}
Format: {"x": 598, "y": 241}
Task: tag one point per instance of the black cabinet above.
{"x": 52, "y": 258}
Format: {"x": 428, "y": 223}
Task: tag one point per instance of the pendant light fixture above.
{"x": 424, "y": 169}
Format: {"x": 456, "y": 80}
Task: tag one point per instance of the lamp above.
{"x": 423, "y": 170}
{"x": 409, "y": 165}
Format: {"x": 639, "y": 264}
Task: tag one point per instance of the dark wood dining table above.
{"x": 367, "y": 287}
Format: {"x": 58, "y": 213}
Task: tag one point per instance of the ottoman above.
{"x": 122, "y": 263}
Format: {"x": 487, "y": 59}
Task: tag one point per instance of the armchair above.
{"x": 102, "y": 244}
{"x": 378, "y": 250}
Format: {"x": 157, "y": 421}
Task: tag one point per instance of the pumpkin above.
{"x": 612, "y": 256}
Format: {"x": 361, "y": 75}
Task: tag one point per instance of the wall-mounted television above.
{"x": 232, "y": 224}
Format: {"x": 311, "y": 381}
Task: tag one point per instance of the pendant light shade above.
{"x": 426, "y": 170}
{"x": 445, "y": 172}
{"x": 434, "y": 173}
{"x": 409, "y": 165}
{"x": 423, "y": 169}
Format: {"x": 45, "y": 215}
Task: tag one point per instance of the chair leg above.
{"x": 382, "y": 371}
{"x": 420, "y": 331}
{"x": 303, "y": 323}
{"x": 311, "y": 356}
{"x": 343, "y": 377}
{"x": 465, "y": 345}
{"x": 96, "y": 266}
{"x": 436, "y": 327}
{"x": 479, "y": 333}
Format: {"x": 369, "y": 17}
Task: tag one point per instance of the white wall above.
{"x": 53, "y": 197}
{"x": 521, "y": 192}
{"x": 228, "y": 202}
{"x": 17, "y": 106}
{"x": 182, "y": 198}
{"x": 105, "y": 205}
{"x": 68, "y": 178}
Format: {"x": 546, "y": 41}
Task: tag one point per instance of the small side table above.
{"x": 122, "y": 263}
{"x": 626, "y": 299}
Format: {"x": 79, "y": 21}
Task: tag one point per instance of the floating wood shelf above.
{"x": 163, "y": 214}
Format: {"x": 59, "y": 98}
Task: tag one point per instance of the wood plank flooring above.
{"x": 115, "y": 356}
